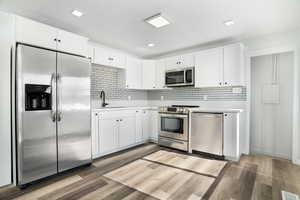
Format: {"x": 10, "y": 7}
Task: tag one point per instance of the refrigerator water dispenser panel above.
{"x": 37, "y": 97}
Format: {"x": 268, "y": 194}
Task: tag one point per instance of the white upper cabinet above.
{"x": 221, "y": 66}
{"x": 233, "y": 65}
{"x": 209, "y": 68}
{"x": 72, "y": 43}
{"x": 108, "y": 57}
{"x": 38, "y": 34}
{"x": 179, "y": 62}
{"x": 133, "y": 73}
{"x": 160, "y": 74}
{"x": 148, "y": 74}
{"x": 35, "y": 33}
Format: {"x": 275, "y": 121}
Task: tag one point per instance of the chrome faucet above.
{"x": 102, "y": 97}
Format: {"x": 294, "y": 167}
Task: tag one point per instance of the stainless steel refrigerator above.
{"x": 53, "y": 130}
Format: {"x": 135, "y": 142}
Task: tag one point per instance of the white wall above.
{"x": 271, "y": 119}
{"x": 275, "y": 43}
{"x": 6, "y": 34}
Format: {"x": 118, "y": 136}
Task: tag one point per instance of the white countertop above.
{"x": 216, "y": 110}
{"x": 125, "y": 108}
{"x": 201, "y": 109}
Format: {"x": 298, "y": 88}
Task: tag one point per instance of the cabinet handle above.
{"x": 225, "y": 115}
{"x": 96, "y": 114}
{"x": 121, "y": 120}
{"x": 225, "y": 83}
{"x": 59, "y": 41}
{"x": 117, "y": 120}
{"x": 55, "y": 39}
{"x": 220, "y": 83}
{"x": 127, "y": 86}
{"x": 111, "y": 59}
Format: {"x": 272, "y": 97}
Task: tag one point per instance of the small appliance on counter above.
{"x": 174, "y": 126}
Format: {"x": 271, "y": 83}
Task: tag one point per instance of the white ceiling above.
{"x": 119, "y": 23}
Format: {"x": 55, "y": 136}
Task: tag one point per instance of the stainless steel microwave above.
{"x": 180, "y": 77}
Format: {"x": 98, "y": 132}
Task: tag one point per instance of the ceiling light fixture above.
{"x": 151, "y": 45}
{"x": 77, "y": 13}
{"x": 157, "y": 21}
{"x": 229, "y": 22}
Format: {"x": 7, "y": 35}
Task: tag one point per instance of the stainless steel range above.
{"x": 174, "y": 126}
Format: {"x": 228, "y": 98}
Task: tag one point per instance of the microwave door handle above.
{"x": 53, "y": 98}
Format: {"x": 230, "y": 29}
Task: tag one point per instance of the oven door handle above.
{"x": 174, "y": 116}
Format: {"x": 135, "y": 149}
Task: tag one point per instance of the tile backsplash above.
{"x": 112, "y": 81}
{"x": 200, "y": 94}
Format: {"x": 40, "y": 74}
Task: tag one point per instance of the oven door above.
{"x": 174, "y": 126}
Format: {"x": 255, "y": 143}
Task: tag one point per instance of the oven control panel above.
{"x": 178, "y": 110}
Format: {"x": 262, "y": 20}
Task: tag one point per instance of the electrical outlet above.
{"x": 205, "y": 97}
{"x": 129, "y": 98}
{"x": 162, "y": 98}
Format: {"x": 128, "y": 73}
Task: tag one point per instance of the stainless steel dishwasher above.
{"x": 207, "y": 133}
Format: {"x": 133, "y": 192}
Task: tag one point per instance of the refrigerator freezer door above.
{"x": 73, "y": 107}
{"x": 36, "y": 130}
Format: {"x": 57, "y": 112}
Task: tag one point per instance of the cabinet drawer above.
{"x": 116, "y": 114}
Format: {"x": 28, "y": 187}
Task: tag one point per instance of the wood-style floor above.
{"x": 252, "y": 178}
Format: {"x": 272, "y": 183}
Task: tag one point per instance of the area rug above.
{"x": 161, "y": 181}
{"x": 195, "y": 164}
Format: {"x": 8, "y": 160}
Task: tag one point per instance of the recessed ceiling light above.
{"x": 229, "y": 22}
{"x": 157, "y": 21}
{"x": 151, "y": 45}
{"x": 77, "y": 13}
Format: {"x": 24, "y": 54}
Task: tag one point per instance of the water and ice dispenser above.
{"x": 37, "y": 97}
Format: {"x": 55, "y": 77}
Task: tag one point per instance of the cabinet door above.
{"x": 101, "y": 56}
{"x": 118, "y": 60}
{"x": 233, "y": 65}
{"x": 34, "y": 33}
{"x": 127, "y": 131}
{"x": 108, "y": 134}
{"x": 173, "y": 63}
{"x": 95, "y": 135}
{"x": 72, "y": 43}
{"x": 138, "y": 126}
{"x": 160, "y": 74}
{"x": 153, "y": 124}
{"x": 148, "y": 80}
{"x": 230, "y": 135}
{"x": 133, "y": 73}
{"x": 145, "y": 124}
{"x": 209, "y": 68}
{"x": 187, "y": 60}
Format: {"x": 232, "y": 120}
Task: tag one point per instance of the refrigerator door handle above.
{"x": 59, "y": 110}
{"x": 53, "y": 96}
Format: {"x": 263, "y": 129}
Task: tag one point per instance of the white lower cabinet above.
{"x": 127, "y": 131}
{"x": 153, "y": 121}
{"x": 113, "y": 131}
{"x": 231, "y": 136}
{"x": 108, "y": 134}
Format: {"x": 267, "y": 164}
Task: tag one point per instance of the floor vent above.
{"x": 289, "y": 196}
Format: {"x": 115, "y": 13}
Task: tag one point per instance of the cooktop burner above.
{"x": 185, "y": 106}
